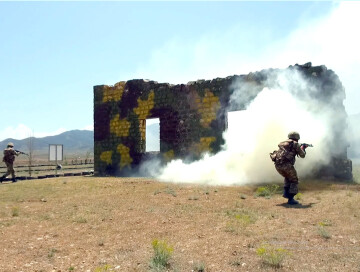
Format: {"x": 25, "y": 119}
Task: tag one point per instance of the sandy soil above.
{"x": 108, "y": 224}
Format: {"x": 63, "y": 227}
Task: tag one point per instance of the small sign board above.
{"x": 55, "y": 152}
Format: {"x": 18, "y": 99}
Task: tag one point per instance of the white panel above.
{"x": 55, "y": 152}
{"x": 52, "y": 152}
{"x": 59, "y": 153}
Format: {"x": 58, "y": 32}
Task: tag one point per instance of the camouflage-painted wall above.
{"x": 192, "y": 117}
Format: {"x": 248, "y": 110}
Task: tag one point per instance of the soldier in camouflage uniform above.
{"x": 9, "y": 158}
{"x": 284, "y": 160}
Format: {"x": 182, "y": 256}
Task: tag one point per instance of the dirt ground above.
{"x": 109, "y": 224}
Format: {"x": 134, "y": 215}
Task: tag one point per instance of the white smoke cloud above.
{"x": 354, "y": 138}
{"x": 329, "y": 40}
{"x": 255, "y": 132}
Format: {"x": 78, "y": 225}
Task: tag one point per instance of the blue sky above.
{"x": 53, "y": 53}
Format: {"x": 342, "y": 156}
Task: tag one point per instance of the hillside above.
{"x": 74, "y": 142}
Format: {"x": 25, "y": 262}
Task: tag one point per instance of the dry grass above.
{"x": 109, "y": 224}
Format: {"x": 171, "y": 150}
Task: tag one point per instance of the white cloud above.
{"x": 22, "y": 131}
{"x": 89, "y": 127}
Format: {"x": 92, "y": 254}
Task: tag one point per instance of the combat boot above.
{"x": 292, "y": 201}
{"x": 2, "y": 178}
{"x": 14, "y": 180}
{"x": 286, "y": 192}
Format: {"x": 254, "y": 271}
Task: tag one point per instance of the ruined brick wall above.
{"x": 192, "y": 117}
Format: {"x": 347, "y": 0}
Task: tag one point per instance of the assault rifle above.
{"x": 305, "y": 146}
{"x": 21, "y": 152}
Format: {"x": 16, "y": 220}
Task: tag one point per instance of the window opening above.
{"x": 235, "y": 119}
{"x": 152, "y": 135}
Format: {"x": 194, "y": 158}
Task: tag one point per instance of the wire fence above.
{"x": 49, "y": 170}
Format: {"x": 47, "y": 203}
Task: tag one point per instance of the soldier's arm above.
{"x": 14, "y": 152}
{"x": 299, "y": 150}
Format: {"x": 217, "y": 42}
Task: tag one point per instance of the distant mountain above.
{"x": 73, "y": 141}
{"x": 76, "y": 142}
{"x": 354, "y": 136}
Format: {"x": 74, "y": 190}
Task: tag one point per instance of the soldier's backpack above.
{"x": 9, "y": 156}
{"x": 284, "y": 154}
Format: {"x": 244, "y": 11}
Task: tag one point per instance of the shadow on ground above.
{"x": 298, "y": 206}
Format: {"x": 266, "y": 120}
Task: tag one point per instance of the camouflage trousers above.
{"x": 10, "y": 170}
{"x": 287, "y": 170}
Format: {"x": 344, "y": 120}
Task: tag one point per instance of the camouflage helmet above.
{"x": 294, "y": 135}
{"x": 10, "y": 144}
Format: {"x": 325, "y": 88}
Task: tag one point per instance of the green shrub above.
{"x": 242, "y": 196}
{"x": 298, "y": 196}
{"x": 15, "y": 211}
{"x": 80, "y": 220}
{"x": 52, "y": 252}
{"x": 239, "y": 219}
{"x": 244, "y": 216}
{"x": 349, "y": 193}
{"x": 325, "y": 223}
{"x": 162, "y": 255}
{"x": 267, "y": 191}
{"x": 199, "y": 267}
{"x": 271, "y": 256}
{"x": 157, "y": 192}
{"x": 323, "y": 232}
{"x": 103, "y": 268}
{"x": 170, "y": 191}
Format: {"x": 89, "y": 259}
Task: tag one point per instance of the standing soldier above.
{"x": 9, "y": 158}
{"x": 284, "y": 160}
